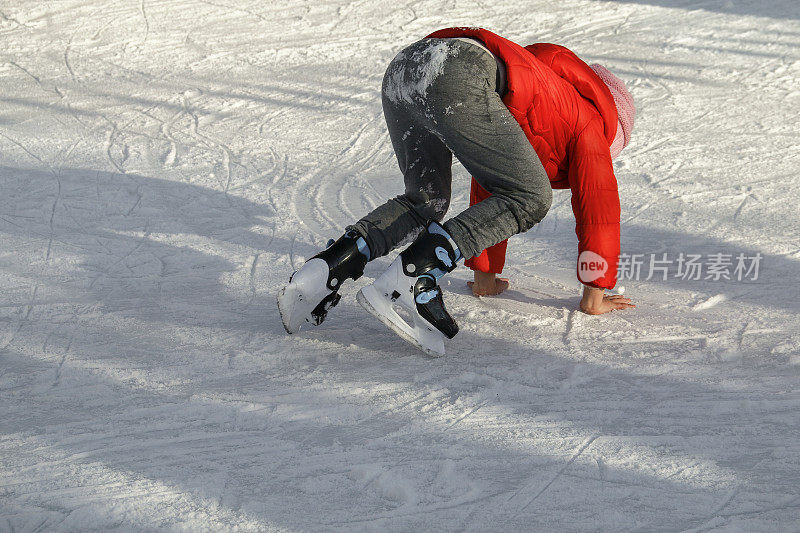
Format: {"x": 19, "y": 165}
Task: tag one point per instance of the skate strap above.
{"x": 436, "y": 273}
{"x": 363, "y": 248}
{"x": 345, "y": 258}
{"x": 361, "y": 243}
{"x": 427, "y": 296}
{"x": 435, "y": 227}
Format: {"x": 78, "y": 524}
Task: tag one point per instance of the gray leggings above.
{"x": 440, "y": 98}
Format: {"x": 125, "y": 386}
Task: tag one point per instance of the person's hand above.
{"x": 487, "y": 284}
{"x": 596, "y": 302}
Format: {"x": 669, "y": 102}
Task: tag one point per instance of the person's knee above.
{"x": 537, "y": 206}
{"x": 536, "y": 198}
{"x": 531, "y": 207}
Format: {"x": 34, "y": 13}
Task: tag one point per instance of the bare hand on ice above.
{"x": 596, "y": 302}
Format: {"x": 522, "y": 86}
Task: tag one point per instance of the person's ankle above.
{"x": 485, "y": 278}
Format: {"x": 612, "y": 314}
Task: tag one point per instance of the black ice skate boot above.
{"x": 314, "y": 289}
{"x": 412, "y": 282}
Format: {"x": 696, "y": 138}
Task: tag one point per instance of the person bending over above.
{"x": 522, "y": 121}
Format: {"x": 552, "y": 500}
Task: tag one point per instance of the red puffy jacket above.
{"x": 569, "y": 117}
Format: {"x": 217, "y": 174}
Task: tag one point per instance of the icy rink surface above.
{"x": 166, "y": 165}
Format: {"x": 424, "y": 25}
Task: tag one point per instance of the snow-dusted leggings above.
{"x": 440, "y": 98}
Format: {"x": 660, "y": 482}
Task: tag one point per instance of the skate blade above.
{"x": 424, "y": 337}
{"x": 306, "y": 290}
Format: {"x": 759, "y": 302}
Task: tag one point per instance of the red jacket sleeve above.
{"x": 493, "y": 258}
{"x": 595, "y": 203}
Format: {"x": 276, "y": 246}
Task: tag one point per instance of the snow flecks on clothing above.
{"x": 428, "y": 189}
{"x": 438, "y": 204}
{"x": 409, "y": 77}
{"x": 408, "y": 239}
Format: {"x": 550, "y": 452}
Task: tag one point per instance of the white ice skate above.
{"x": 410, "y": 284}
{"x": 314, "y": 289}
{"x": 307, "y": 291}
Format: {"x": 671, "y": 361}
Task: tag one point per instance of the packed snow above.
{"x": 167, "y": 165}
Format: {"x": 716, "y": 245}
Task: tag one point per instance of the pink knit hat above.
{"x": 625, "y": 109}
